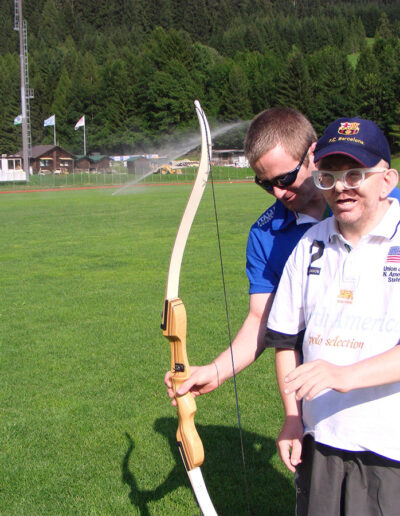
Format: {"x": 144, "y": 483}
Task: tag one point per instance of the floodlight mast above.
{"x": 26, "y": 92}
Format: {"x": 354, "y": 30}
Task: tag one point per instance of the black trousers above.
{"x": 334, "y": 482}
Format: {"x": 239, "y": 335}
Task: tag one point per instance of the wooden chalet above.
{"x": 94, "y": 163}
{"x": 50, "y": 159}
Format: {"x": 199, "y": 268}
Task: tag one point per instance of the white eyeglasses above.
{"x": 352, "y": 178}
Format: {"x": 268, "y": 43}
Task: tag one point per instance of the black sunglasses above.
{"x": 284, "y": 180}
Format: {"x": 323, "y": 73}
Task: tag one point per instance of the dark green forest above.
{"x": 134, "y": 67}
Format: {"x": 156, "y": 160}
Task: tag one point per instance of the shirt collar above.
{"x": 283, "y": 217}
{"x": 302, "y": 218}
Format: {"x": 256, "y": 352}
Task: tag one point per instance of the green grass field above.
{"x": 86, "y": 427}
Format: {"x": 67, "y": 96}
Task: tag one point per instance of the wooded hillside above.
{"x": 133, "y": 67}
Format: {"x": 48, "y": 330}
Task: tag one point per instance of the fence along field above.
{"x": 120, "y": 177}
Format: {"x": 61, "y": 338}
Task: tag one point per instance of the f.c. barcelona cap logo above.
{"x": 349, "y": 128}
{"x": 357, "y": 138}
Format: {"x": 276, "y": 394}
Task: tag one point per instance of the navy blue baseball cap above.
{"x": 357, "y": 138}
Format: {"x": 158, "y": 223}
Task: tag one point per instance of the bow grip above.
{"x": 174, "y": 329}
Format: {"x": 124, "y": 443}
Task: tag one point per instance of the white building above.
{"x": 11, "y": 169}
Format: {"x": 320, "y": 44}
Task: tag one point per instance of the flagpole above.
{"x": 22, "y": 62}
{"x": 55, "y": 140}
{"x": 84, "y": 138}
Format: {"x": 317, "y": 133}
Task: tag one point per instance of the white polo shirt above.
{"x": 348, "y": 302}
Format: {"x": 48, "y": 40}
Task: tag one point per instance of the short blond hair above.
{"x": 278, "y": 125}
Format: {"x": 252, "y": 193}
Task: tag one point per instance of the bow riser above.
{"x": 189, "y": 442}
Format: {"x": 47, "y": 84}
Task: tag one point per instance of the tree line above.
{"x": 134, "y": 67}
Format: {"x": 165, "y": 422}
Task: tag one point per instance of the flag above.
{"x": 393, "y": 255}
{"x": 80, "y": 123}
{"x": 50, "y": 121}
{"x": 18, "y": 120}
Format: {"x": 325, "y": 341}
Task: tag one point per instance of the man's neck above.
{"x": 316, "y": 208}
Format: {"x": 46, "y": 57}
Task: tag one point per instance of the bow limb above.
{"x": 174, "y": 329}
{"x": 191, "y": 206}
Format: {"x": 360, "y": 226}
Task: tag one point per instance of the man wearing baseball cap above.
{"x": 338, "y": 303}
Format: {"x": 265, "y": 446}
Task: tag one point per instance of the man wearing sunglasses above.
{"x": 338, "y": 303}
{"x": 279, "y": 145}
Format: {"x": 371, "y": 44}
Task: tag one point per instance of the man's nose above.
{"x": 339, "y": 186}
{"x": 278, "y": 192}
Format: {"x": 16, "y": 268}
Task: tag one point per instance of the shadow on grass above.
{"x": 270, "y": 492}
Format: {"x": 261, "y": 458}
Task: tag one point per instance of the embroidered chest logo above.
{"x": 266, "y": 217}
{"x": 391, "y": 271}
{"x": 345, "y": 296}
{"x": 348, "y": 128}
{"x": 393, "y": 255}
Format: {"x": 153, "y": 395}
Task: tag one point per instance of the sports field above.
{"x": 85, "y": 424}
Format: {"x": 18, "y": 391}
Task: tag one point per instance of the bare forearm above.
{"x": 249, "y": 343}
{"x": 245, "y": 350}
{"x": 379, "y": 370}
{"x": 311, "y": 378}
{"x": 285, "y": 361}
{"x": 289, "y": 442}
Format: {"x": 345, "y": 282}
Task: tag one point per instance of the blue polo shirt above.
{"x": 271, "y": 240}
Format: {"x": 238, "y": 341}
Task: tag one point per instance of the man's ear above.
{"x": 312, "y": 146}
{"x": 390, "y": 181}
{"x": 312, "y": 149}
